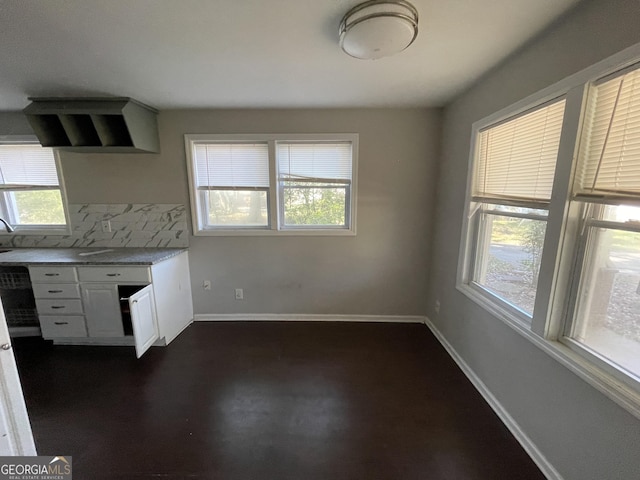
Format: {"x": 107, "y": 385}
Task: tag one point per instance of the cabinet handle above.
{"x": 56, "y": 307}
{"x": 113, "y": 274}
{"x": 51, "y": 274}
{"x": 61, "y": 323}
{"x": 54, "y": 291}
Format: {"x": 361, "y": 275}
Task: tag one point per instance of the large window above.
{"x": 551, "y": 242}
{"x": 606, "y": 320}
{"x": 232, "y": 183}
{"x": 512, "y": 185}
{"x": 315, "y": 184}
{"x": 272, "y": 184}
{"x": 31, "y": 199}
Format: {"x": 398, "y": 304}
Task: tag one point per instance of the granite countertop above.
{"x": 87, "y": 256}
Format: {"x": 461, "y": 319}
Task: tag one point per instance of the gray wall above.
{"x": 381, "y": 271}
{"x": 582, "y": 433}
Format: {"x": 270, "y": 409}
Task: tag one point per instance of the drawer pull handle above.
{"x": 113, "y": 274}
{"x": 56, "y": 307}
{"x": 54, "y": 291}
{"x": 51, "y": 274}
{"x": 61, "y": 323}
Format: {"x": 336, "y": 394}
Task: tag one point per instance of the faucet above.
{"x": 9, "y": 228}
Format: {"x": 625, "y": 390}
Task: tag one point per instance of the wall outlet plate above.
{"x": 239, "y": 294}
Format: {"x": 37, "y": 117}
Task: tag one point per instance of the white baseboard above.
{"x": 289, "y": 317}
{"x": 532, "y": 450}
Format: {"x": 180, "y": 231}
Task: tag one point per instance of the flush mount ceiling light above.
{"x": 378, "y": 28}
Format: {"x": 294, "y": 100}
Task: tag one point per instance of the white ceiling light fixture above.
{"x": 378, "y": 28}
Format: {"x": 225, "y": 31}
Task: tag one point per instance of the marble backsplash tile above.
{"x": 132, "y": 225}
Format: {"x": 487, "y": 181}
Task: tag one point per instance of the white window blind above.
{"x": 517, "y": 158}
{"x": 232, "y": 165}
{"x": 27, "y": 166}
{"x": 315, "y": 162}
{"x": 609, "y": 165}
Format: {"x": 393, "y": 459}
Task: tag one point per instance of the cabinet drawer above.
{"x": 62, "y": 306}
{"x": 57, "y": 326}
{"x": 115, "y": 274}
{"x": 56, "y": 290}
{"x": 53, "y": 274}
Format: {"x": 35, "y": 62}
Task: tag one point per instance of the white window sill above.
{"x": 618, "y": 391}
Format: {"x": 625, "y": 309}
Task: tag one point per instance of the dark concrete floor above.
{"x": 237, "y": 401}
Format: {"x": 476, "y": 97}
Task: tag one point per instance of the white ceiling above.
{"x": 249, "y": 53}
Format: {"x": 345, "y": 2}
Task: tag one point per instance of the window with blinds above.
{"x": 266, "y": 184}
{"x": 30, "y": 194}
{"x": 232, "y": 166}
{"x": 315, "y": 181}
{"x": 27, "y": 166}
{"x": 551, "y": 230}
{"x": 609, "y": 160}
{"x": 315, "y": 162}
{"x": 233, "y": 184}
{"x": 514, "y": 171}
{"x": 516, "y": 159}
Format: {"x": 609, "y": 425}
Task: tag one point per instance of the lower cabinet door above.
{"x": 102, "y": 310}
{"x": 143, "y": 319}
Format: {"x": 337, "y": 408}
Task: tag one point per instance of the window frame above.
{"x": 478, "y": 243}
{"x": 471, "y": 227}
{"x": 275, "y": 193}
{"x": 556, "y": 299}
{"x": 39, "y": 230}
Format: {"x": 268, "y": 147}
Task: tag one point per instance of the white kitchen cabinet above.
{"x": 136, "y": 305}
{"x": 52, "y": 274}
{"x": 63, "y": 326}
{"x": 114, "y": 273}
{"x": 143, "y": 319}
{"x": 65, "y": 306}
{"x": 60, "y": 290}
{"x": 102, "y": 309}
{"x": 106, "y": 316}
{"x": 58, "y": 302}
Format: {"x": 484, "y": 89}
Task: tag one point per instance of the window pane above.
{"x": 243, "y": 208}
{"x": 622, "y": 213}
{"x": 232, "y": 164}
{"x": 317, "y": 204}
{"x": 315, "y": 160}
{"x": 27, "y": 165}
{"x": 608, "y": 318}
{"x": 609, "y": 158}
{"x": 38, "y": 207}
{"x": 516, "y": 159}
{"x": 509, "y": 257}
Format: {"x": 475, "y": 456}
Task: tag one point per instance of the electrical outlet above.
{"x": 239, "y": 294}
{"x": 206, "y": 284}
{"x": 437, "y": 306}
{"x": 106, "y": 226}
